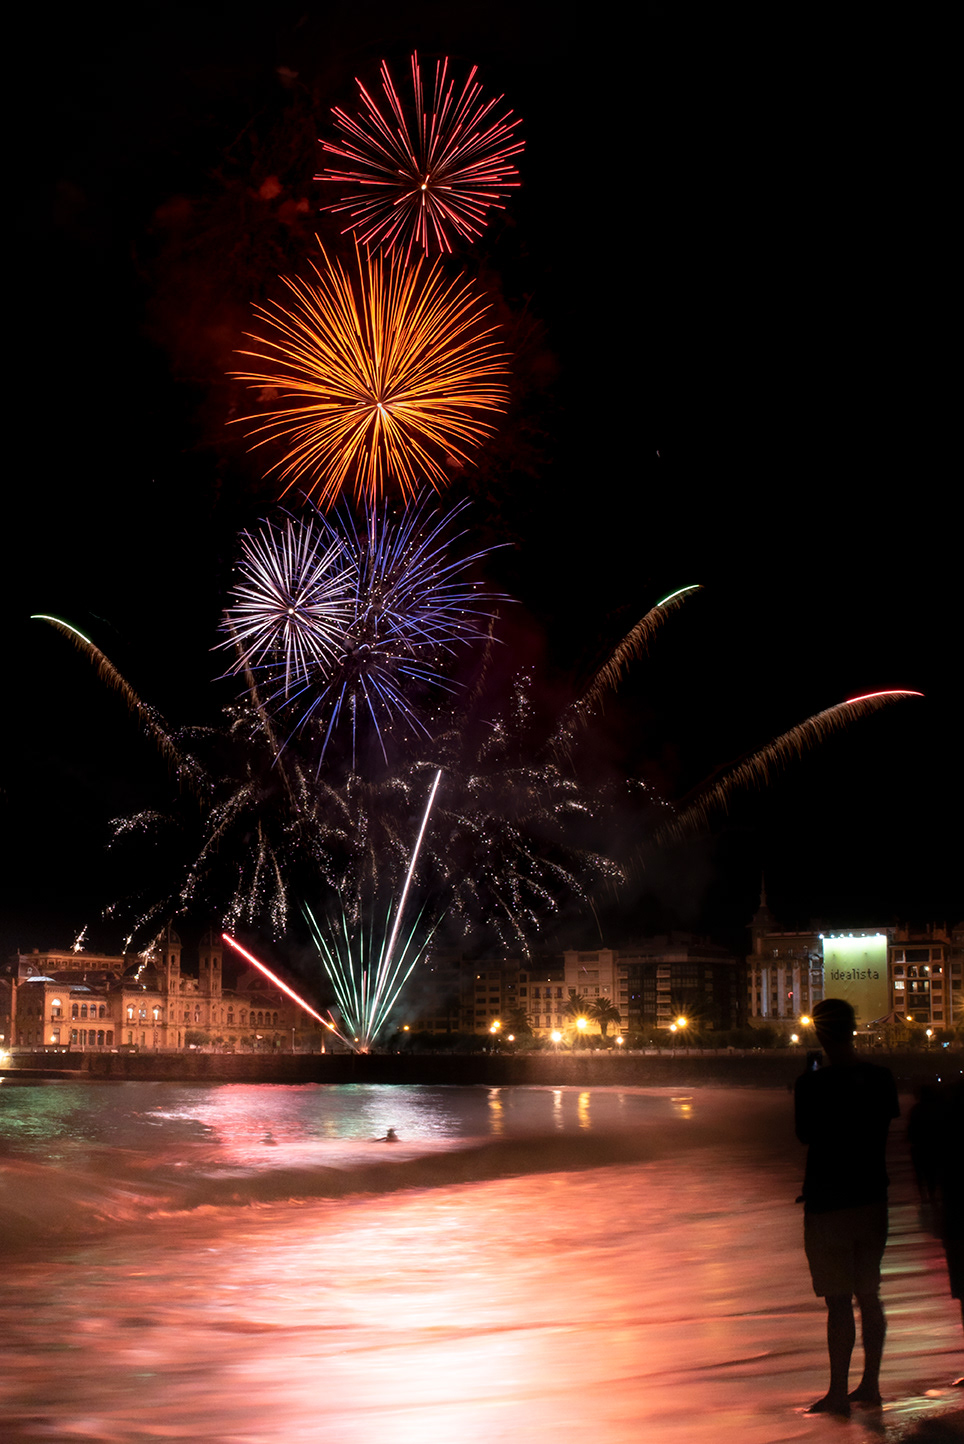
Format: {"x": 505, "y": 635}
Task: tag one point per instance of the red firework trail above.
{"x": 249, "y": 957}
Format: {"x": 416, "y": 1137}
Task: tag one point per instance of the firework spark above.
{"x": 759, "y": 769}
{"x": 352, "y": 624}
{"x": 369, "y": 971}
{"x": 631, "y": 648}
{"x": 422, "y": 175}
{"x": 182, "y": 765}
{"x": 380, "y": 381}
{"x": 292, "y": 601}
{"x": 517, "y": 834}
{"x": 296, "y": 997}
{"x": 413, "y": 609}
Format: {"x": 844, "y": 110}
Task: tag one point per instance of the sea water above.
{"x": 254, "y": 1263}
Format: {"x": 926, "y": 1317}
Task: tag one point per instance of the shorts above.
{"x": 844, "y": 1249}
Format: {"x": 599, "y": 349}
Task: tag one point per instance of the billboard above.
{"x": 855, "y": 968}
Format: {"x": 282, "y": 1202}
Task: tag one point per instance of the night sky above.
{"x": 724, "y": 281}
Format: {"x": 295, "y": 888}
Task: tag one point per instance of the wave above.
{"x": 113, "y": 1188}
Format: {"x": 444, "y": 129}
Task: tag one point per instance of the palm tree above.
{"x": 517, "y": 1022}
{"x": 577, "y": 1011}
{"x": 604, "y": 1011}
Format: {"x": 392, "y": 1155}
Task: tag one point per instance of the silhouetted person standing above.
{"x": 843, "y": 1114}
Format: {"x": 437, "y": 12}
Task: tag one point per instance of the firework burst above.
{"x": 420, "y": 175}
{"x": 354, "y": 625}
{"x": 379, "y": 380}
{"x": 291, "y": 602}
{"x": 413, "y": 610}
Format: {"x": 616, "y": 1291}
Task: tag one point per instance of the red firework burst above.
{"x": 423, "y": 175}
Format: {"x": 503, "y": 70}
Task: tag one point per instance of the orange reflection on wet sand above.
{"x": 664, "y": 1301}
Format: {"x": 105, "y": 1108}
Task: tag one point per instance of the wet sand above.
{"x": 664, "y": 1301}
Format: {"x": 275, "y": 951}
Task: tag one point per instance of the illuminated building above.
{"x": 90, "y": 1002}
{"x": 648, "y": 983}
{"x": 453, "y": 994}
{"x": 926, "y": 974}
{"x": 889, "y": 974}
{"x": 544, "y": 986}
{"x": 784, "y": 971}
{"x": 675, "y": 974}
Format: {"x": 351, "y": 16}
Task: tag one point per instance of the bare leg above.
{"x": 841, "y": 1333}
{"x": 873, "y": 1328}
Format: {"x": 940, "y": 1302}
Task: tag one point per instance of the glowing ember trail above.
{"x": 411, "y": 869}
{"x": 680, "y": 592}
{"x": 759, "y": 769}
{"x": 249, "y": 957}
{"x": 869, "y": 696}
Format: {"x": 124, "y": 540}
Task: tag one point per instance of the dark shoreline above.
{"x": 775, "y": 1069}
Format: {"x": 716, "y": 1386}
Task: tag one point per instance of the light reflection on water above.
{"x": 665, "y": 1300}
{"x": 252, "y": 1125}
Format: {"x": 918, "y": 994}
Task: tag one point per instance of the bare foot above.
{"x": 865, "y": 1394}
{"x": 832, "y": 1404}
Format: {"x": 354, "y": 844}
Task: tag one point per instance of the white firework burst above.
{"x": 291, "y": 602}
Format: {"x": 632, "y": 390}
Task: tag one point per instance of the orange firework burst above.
{"x": 378, "y": 380}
